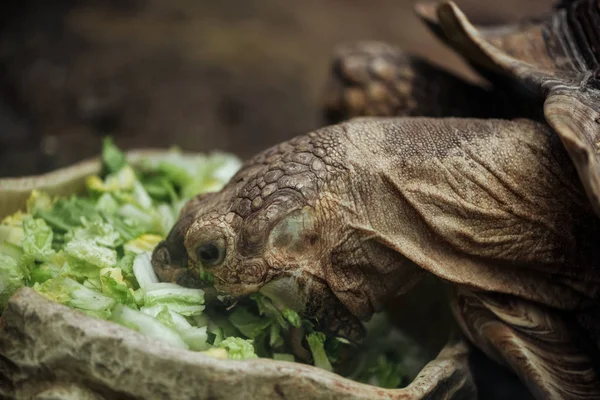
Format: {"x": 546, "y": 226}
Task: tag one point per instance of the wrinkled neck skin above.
{"x": 494, "y": 205}
{"x": 336, "y": 222}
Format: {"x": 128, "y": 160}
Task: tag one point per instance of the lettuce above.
{"x": 37, "y": 239}
{"x": 86, "y": 257}
{"x": 69, "y": 292}
{"x": 147, "y": 325}
{"x": 11, "y": 229}
{"x": 249, "y": 324}
{"x": 113, "y": 158}
{"x": 238, "y": 348}
{"x": 12, "y": 276}
{"x": 143, "y": 244}
{"x": 92, "y": 253}
{"x": 316, "y": 343}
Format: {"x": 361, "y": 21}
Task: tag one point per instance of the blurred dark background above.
{"x": 236, "y": 75}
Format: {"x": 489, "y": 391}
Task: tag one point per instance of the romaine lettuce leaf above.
{"x": 37, "y": 239}
{"x": 238, "y": 348}
{"x": 113, "y": 158}
{"x": 12, "y": 276}
{"x": 67, "y": 291}
{"x": 316, "y": 343}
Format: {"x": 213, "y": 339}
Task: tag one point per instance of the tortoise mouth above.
{"x": 171, "y": 265}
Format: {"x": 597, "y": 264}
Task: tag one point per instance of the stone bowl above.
{"x": 49, "y": 351}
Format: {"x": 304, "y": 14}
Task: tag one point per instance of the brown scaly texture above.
{"x": 506, "y": 211}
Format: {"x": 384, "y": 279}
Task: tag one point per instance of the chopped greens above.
{"x": 92, "y": 252}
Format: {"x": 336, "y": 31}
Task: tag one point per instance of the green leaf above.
{"x": 238, "y": 348}
{"x": 275, "y": 339}
{"x": 248, "y": 324}
{"x": 12, "y": 276}
{"x": 38, "y": 201}
{"x": 11, "y": 229}
{"x": 143, "y": 244}
{"x": 67, "y": 291}
{"x": 86, "y": 258}
{"x": 316, "y": 343}
{"x": 37, "y": 240}
{"x": 97, "y": 231}
{"x": 68, "y": 213}
{"x": 146, "y": 325}
{"x": 266, "y": 307}
{"x": 114, "y": 286}
{"x": 184, "y": 301}
{"x": 113, "y": 158}
{"x": 292, "y": 317}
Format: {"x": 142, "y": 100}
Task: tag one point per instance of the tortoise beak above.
{"x": 170, "y": 259}
{"x": 171, "y": 265}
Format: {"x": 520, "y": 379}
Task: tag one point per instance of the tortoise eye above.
{"x": 210, "y": 254}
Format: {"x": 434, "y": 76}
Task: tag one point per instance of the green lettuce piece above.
{"x": 196, "y": 338}
{"x": 386, "y": 373}
{"x": 143, "y": 271}
{"x": 125, "y": 264}
{"x": 206, "y": 276}
{"x": 159, "y": 188}
{"x": 107, "y": 204}
{"x": 316, "y": 343}
{"x": 69, "y": 292}
{"x": 147, "y": 219}
{"x": 39, "y": 273}
{"x": 184, "y": 301}
{"x": 193, "y": 174}
{"x": 167, "y": 218}
{"x": 146, "y": 325}
{"x": 86, "y": 258}
{"x": 212, "y": 174}
{"x": 38, "y": 201}
{"x": 292, "y": 317}
{"x": 68, "y": 213}
{"x": 128, "y": 229}
{"x": 121, "y": 184}
{"x": 113, "y": 159}
{"x": 275, "y": 339}
{"x": 37, "y": 239}
{"x": 248, "y": 324}
{"x": 219, "y": 327}
{"x": 141, "y": 197}
{"x": 114, "y": 286}
{"x": 143, "y": 244}
{"x": 386, "y": 358}
{"x": 11, "y": 229}
{"x": 98, "y": 231}
{"x": 238, "y": 348}
{"x": 267, "y": 308}
{"x": 12, "y": 276}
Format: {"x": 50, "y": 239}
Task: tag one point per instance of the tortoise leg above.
{"x": 536, "y": 342}
{"x": 376, "y": 79}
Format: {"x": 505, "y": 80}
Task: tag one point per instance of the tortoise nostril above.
{"x": 162, "y": 256}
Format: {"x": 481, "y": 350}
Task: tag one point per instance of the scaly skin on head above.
{"x": 283, "y": 225}
{"x": 336, "y": 222}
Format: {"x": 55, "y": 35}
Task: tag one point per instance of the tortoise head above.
{"x": 276, "y": 228}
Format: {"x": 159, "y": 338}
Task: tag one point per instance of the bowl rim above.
{"x": 451, "y": 360}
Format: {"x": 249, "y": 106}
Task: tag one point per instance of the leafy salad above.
{"x": 92, "y": 252}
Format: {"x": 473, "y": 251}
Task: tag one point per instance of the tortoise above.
{"x": 494, "y": 189}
